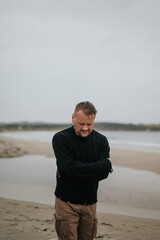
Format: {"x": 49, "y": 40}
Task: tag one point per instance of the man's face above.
{"x": 83, "y": 124}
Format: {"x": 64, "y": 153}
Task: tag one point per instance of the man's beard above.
{"x": 82, "y": 133}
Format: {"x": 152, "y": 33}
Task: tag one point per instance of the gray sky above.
{"x": 56, "y": 53}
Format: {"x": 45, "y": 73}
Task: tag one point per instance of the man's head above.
{"x": 83, "y": 118}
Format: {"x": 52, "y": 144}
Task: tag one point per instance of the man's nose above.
{"x": 85, "y": 127}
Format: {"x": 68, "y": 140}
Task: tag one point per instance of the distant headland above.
{"x": 106, "y": 126}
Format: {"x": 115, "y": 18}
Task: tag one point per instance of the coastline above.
{"x": 13, "y": 147}
{"x": 27, "y": 220}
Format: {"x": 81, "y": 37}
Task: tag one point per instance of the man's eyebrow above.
{"x": 84, "y": 123}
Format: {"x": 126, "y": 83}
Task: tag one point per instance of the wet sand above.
{"x": 28, "y": 220}
{"x": 12, "y": 147}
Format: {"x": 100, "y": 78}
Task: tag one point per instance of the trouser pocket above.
{"x": 87, "y": 228}
{"x": 95, "y": 225}
{"x": 61, "y": 227}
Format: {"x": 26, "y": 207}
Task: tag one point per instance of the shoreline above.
{"x": 14, "y": 147}
{"x": 31, "y": 220}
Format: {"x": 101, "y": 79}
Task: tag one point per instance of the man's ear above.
{"x": 73, "y": 118}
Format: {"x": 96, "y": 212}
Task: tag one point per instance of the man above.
{"x": 82, "y": 161}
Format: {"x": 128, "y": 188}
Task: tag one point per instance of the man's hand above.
{"x": 111, "y": 170}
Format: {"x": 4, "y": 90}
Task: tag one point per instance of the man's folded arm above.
{"x": 75, "y": 169}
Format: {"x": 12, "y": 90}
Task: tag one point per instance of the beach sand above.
{"x": 28, "y": 220}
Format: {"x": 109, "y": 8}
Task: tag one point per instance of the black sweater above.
{"x": 81, "y": 163}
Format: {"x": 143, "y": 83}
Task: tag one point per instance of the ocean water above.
{"x": 133, "y": 140}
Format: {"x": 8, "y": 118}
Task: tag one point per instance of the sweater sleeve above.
{"x": 72, "y": 168}
{"x": 104, "y": 154}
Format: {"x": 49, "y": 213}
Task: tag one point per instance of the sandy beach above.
{"x": 30, "y": 220}
{"x": 26, "y": 220}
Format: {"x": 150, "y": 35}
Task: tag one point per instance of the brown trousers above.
{"x": 75, "y": 221}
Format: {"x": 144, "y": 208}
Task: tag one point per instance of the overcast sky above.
{"x": 56, "y": 53}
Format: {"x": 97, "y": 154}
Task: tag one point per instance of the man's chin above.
{"x": 84, "y": 134}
